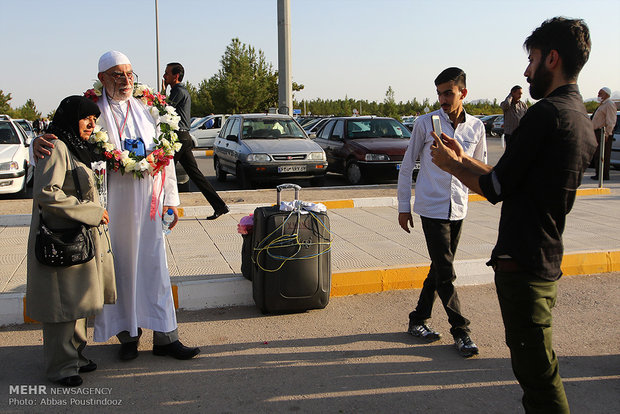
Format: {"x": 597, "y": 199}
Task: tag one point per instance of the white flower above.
{"x": 98, "y": 87}
{"x": 101, "y": 136}
{"x": 155, "y": 113}
{"x": 177, "y": 146}
{"x": 107, "y": 146}
{"x": 142, "y": 165}
{"x": 171, "y": 110}
{"x": 128, "y": 163}
{"x": 173, "y": 136}
{"x": 139, "y": 89}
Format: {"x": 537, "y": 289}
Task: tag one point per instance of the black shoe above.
{"x": 72, "y": 381}
{"x": 594, "y": 177}
{"x": 176, "y": 350}
{"x": 128, "y": 351}
{"x": 218, "y": 213}
{"x": 423, "y": 331}
{"x": 91, "y": 366}
{"x": 466, "y": 347}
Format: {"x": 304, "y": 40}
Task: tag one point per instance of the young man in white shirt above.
{"x": 441, "y": 202}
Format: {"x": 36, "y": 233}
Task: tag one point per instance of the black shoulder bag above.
{"x": 66, "y": 247}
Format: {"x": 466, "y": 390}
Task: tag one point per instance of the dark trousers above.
{"x": 442, "y": 239}
{"x": 526, "y": 302}
{"x": 607, "y": 157}
{"x": 187, "y": 160}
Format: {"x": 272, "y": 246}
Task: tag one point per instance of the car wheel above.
{"x": 220, "y": 174}
{"x": 353, "y": 173}
{"x": 242, "y": 178}
{"x": 317, "y": 181}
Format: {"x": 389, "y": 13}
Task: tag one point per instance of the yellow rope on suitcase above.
{"x": 289, "y": 240}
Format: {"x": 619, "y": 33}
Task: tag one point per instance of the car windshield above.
{"x": 263, "y": 128}
{"x": 8, "y": 134}
{"x": 376, "y": 128}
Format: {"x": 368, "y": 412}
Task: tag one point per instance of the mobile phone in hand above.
{"x": 436, "y": 125}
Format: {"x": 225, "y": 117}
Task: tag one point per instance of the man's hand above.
{"x": 445, "y": 151}
{"x": 106, "y": 217}
{"x": 176, "y": 216}
{"x": 405, "y": 219}
{"x": 41, "y": 144}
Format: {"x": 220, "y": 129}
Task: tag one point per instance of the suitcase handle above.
{"x": 286, "y": 186}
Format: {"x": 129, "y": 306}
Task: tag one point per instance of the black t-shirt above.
{"x": 181, "y": 101}
{"x": 537, "y": 179}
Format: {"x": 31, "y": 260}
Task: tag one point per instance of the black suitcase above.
{"x": 291, "y": 258}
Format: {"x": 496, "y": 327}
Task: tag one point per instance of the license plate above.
{"x": 415, "y": 167}
{"x": 291, "y": 168}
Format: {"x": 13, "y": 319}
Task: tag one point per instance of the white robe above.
{"x": 142, "y": 279}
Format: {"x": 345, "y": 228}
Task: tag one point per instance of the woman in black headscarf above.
{"x": 63, "y": 297}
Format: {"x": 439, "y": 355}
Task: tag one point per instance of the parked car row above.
{"x": 258, "y": 147}
{"x": 488, "y": 121}
{"x": 362, "y": 148}
{"x": 15, "y": 169}
{"x": 204, "y": 130}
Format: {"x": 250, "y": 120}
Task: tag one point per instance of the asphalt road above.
{"x": 351, "y": 357}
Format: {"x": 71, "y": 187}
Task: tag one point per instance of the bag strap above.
{"x": 78, "y": 189}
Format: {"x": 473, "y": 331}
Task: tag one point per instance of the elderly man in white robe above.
{"x": 142, "y": 279}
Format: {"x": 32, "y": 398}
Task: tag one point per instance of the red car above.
{"x": 362, "y": 148}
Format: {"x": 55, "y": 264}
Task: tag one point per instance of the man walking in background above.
{"x": 180, "y": 99}
{"x": 514, "y": 109}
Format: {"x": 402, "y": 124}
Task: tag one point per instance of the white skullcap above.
{"x": 111, "y": 59}
{"x": 606, "y": 90}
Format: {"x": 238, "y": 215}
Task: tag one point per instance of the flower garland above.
{"x": 166, "y": 144}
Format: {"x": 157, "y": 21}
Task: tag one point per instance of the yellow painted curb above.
{"x": 181, "y": 211}
{"x": 593, "y": 191}
{"x": 377, "y": 280}
{"x": 585, "y": 263}
{"x": 208, "y": 153}
{"x": 27, "y": 319}
{"x": 338, "y": 204}
{"x": 175, "y": 296}
{"x": 476, "y": 197}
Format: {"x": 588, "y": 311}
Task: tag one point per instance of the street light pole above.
{"x": 157, "y": 44}
{"x": 285, "y": 80}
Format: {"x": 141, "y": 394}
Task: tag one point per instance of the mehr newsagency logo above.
{"x": 42, "y": 395}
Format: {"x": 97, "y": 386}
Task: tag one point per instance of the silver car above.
{"x": 261, "y": 147}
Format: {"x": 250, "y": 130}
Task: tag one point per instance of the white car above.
{"x": 27, "y": 127}
{"x": 15, "y": 168}
{"x": 204, "y": 130}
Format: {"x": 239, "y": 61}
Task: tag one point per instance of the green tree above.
{"x": 28, "y": 111}
{"x": 5, "y": 107}
{"x": 245, "y": 81}
{"x": 389, "y": 104}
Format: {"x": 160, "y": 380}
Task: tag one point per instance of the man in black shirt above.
{"x": 180, "y": 99}
{"x": 536, "y": 178}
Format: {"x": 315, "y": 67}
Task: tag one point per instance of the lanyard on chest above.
{"x": 120, "y": 128}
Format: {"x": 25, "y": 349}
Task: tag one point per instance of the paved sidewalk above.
{"x": 370, "y": 252}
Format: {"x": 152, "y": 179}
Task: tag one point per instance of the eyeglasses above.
{"x": 121, "y": 76}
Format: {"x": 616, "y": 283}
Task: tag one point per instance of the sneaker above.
{"x": 465, "y": 346}
{"x": 423, "y": 331}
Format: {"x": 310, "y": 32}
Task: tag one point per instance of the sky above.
{"x": 340, "y": 48}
